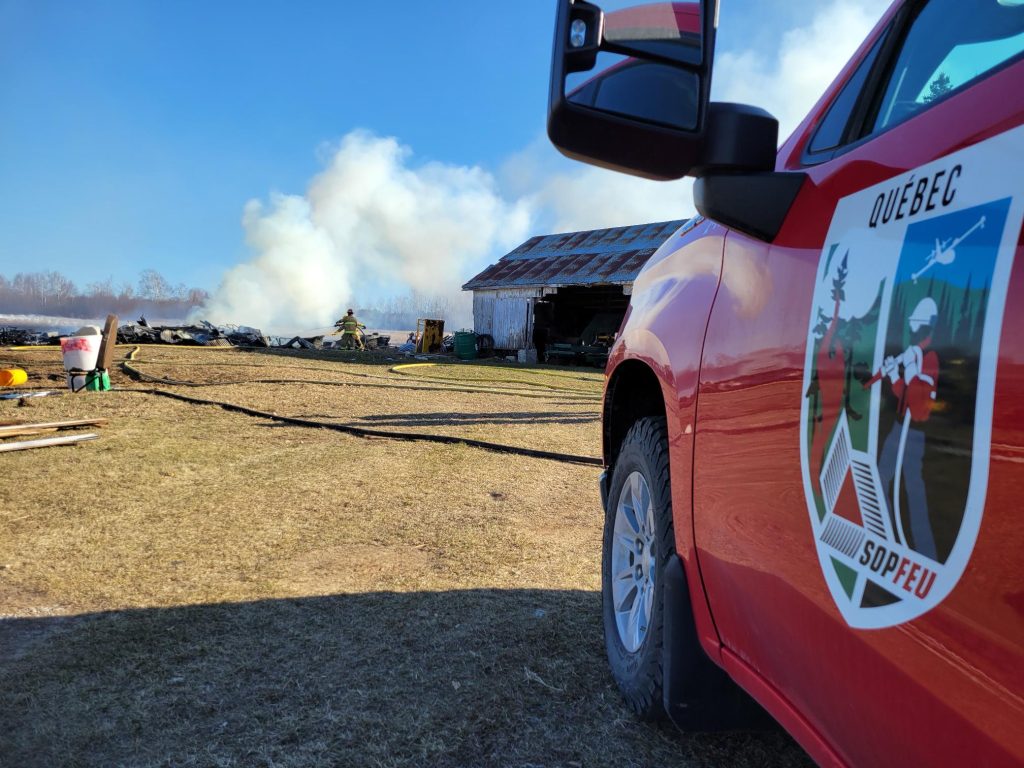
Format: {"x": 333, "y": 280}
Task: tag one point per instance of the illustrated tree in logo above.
{"x": 828, "y": 385}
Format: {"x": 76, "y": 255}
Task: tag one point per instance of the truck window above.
{"x": 950, "y": 44}
{"x": 831, "y": 131}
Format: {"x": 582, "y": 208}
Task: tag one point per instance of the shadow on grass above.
{"x": 391, "y": 357}
{"x": 369, "y": 357}
{"x": 467, "y": 678}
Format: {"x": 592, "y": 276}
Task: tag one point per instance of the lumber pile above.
{"x": 27, "y": 430}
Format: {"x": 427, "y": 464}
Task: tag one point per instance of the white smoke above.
{"x": 593, "y": 198}
{"x": 297, "y": 277}
{"x": 375, "y": 224}
{"x": 565, "y": 196}
{"x": 369, "y": 222}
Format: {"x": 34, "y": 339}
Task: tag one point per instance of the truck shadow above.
{"x": 484, "y": 677}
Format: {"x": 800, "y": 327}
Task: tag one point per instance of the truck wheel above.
{"x": 638, "y": 542}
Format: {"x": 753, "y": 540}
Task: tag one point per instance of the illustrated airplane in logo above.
{"x": 945, "y": 253}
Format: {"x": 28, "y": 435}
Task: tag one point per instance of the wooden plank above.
{"x": 106, "y": 358}
{"x": 25, "y": 445}
{"x": 55, "y": 425}
{"x": 25, "y": 432}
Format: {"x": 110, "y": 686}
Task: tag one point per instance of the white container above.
{"x": 81, "y": 353}
{"x": 76, "y": 382}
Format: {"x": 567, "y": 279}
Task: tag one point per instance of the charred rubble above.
{"x": 201, "y": 334}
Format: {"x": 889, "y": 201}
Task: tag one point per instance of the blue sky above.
{"x": 134, "y": 133}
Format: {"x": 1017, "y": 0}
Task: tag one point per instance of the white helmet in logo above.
{"x": 924, "y": 314}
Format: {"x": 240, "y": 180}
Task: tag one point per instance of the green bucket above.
{"x": 88, "y": 381}
{"x": 465, "y": 345}
{"x": 98, "y": 381}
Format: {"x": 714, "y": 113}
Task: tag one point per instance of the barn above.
{"x": 576, "y": 285}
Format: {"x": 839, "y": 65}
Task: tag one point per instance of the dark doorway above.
{"x": 579, "y": 323}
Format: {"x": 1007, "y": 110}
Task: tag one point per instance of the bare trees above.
{"x": 40, "y": 289}
{"x": 154, "y": 287}
{"x": 52, "y": 293}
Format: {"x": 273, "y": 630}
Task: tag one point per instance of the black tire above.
{"x": 639, "y": 673}
{"x": 700, "y": 695}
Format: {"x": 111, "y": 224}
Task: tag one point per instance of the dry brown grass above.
{"x": 498, "y": 403}
{"x": 200, "y": 588}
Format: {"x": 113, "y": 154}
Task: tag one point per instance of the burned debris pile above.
{"x": 202, "y": 334}
{"x": 21, "y": 337}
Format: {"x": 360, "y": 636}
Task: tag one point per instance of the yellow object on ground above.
{"x": 12, "y": 377}
{"x": 429, "y": 336}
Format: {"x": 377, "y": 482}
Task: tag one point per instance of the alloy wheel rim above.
{"x": 633, "y": 562}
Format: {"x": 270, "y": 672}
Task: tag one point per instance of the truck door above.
{"x": 859, "y": 443}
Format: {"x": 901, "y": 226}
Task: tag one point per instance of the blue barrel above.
{"x": 465, "y": 345}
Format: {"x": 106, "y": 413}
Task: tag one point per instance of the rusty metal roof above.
{"x": 609, "y": 256}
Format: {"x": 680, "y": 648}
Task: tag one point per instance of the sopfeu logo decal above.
{"x": 899, "y": 377}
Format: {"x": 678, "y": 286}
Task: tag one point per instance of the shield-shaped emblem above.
{"x": 899, "y": 377}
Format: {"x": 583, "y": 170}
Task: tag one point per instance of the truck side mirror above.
{"x": 646, "y": 114}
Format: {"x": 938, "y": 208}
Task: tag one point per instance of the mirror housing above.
{"x": 640, "y": 135}
{"x": 753, "y": 203}
{"x": 736, "y": 182}
{"x": 739, "y": 137}
{"x": 621, "y": 140}
{"x": 650, "y": 114}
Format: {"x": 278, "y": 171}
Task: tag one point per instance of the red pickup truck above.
{"x": 814, "y": 411}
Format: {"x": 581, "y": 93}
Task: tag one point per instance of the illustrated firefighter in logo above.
{"x": 913, "y": 378}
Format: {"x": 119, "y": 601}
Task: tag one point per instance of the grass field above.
{"x": 203, "y": 588}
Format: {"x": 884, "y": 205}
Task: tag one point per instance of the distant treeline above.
{"x": 51, "y": 293}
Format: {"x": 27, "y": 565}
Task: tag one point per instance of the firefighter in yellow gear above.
{"x": 350, "y": 326}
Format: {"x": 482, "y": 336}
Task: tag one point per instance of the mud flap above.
{"x": 698, "y": 694}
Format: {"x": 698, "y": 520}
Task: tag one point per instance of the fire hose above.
{"x": 133, "y": 373}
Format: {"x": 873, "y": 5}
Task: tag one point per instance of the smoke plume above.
{"x": 370, "y": 225}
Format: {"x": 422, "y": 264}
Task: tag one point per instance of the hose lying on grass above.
{"x": 405, "y": 368}
{"x": 566, "y": 458}
{"x": 442, "y": 384}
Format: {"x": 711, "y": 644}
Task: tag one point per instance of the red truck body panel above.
{"x": 944, "y": 685}
{"x": 684, "y": 275}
